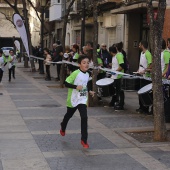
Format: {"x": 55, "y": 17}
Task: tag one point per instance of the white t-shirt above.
{"x": 10, "y": 64}
{"x": 2, "y": 63}
{"x": 76, "y": 97}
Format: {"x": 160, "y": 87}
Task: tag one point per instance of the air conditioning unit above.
{"x": 110, "y": 21}
{"x": 100, "y": 19}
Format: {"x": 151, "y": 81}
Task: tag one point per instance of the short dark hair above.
{"x": 1, "y": 52}
{"x": 163, "y": 44}
{"x": 58, "y": 42}
{"x": 89, "y": 42}
{"x": 82, "y": 57}
{"x": 144, "y": 43}
{"x": 46, "y": 49}
{"x": 119, "y": 46}
{"x": 168, "y": 40}
{"x": 112, "y": 49}
{"x": 11, "y": 50}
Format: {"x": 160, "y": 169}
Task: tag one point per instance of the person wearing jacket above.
{"x": 3, "y": 62}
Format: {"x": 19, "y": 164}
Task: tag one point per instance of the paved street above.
{"x": 31, "y": 110}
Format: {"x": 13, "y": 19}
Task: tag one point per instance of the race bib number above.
{"x": 83, "y": 93}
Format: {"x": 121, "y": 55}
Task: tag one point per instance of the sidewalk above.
{"x": 30, "y": 116}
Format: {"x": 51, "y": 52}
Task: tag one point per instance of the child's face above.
{"x": 84, "y": 66}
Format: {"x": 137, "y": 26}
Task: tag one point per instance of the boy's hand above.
{"x": 92, "y": 93}
{"x": 79, "y": 87}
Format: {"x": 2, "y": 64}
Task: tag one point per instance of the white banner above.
{"x": 22, "y": 31}
{"x": 17, "y": 45}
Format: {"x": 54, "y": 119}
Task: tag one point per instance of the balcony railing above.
{"x": 108, "y": 1}
{"x": 136, "y": 1}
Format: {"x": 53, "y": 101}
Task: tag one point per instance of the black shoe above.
{"x": 139, "y": 110}
{"x": 14, "y": 77}
{"x": 46, "y": 79}
{"x": 148, "y": 113}
{"x": 9, "y": 80}
{"x": 118, "y": 107}
{"x": 57, "y": 79}
{"x": 100, "y": 99}
{"x": 109, "y": 105}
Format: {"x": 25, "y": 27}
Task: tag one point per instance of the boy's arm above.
{"x": 70, "y": 81}
{"x": 69, "y": 85}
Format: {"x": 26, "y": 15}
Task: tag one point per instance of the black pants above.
{"x": 48, "y": 71}
{"x": 11, "y": 71}
{"x": 83, "y": 114}
{"x": 58, "y": 70}
{"x": 1, "y": 74}
{"x": 118, "y": 93}
{"x": 141, "y": 106}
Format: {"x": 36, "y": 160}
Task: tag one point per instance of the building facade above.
{"x": 7, "y": 30}
{"x": 118, "y": 20}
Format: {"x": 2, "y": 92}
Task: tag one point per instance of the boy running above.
{"x": 77, "y": 97}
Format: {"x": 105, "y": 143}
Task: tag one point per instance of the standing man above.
{"x": 105, "y": 55}
{"x": 2, "y": 64}
{"x": 145, "y": 66}
{"x": 117, "y": 65}
{"x": 59, "y": 54}
{"x": 168, "y": 44}
{"x": 165, "y": 56}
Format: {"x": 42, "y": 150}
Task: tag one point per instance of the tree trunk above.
{"x": 62, "y": 71}
{"x": 26, "y": 61}
{"x": 95, "y": 42}
{"x": 156, "y": 27}
{"x": 25, "y": 12}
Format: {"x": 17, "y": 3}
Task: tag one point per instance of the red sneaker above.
{"x": 62, "y": 133}
{"x": 85, "y": 145}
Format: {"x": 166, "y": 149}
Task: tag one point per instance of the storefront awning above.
{"x": 135, "y": 8}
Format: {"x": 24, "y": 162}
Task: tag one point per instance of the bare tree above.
{"x": 62, "y": 72}
{"x": 156, "y": 27}
{"x": 14, "y": 6}
{"x": 95, "y": 42}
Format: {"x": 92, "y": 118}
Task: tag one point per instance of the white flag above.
{"x": 21, "y": 30}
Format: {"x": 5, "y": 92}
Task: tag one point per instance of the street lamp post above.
{"x": 42, "y": 3}
{"x": 83, "y": 24}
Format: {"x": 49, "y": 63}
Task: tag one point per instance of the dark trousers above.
{"x": 1, "y": 74}
{"x": 141, "y": 106}
{"x": 48, "y": 71}
{"x": 11, "y": 71}
{"x": 83, "y": 114}
{"x": 58, "y": 70}
{"x": 118, "y": 93}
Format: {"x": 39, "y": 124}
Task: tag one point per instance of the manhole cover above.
{"x": 49, "y": 105}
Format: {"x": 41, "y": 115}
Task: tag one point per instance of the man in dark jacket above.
{"x": 58, "y": 57}
{"x": 105, "y": 55}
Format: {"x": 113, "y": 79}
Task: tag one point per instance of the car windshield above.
{"x": 7, "y": 48}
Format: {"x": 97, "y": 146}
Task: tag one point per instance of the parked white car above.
{"x": 6, "y": 50}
